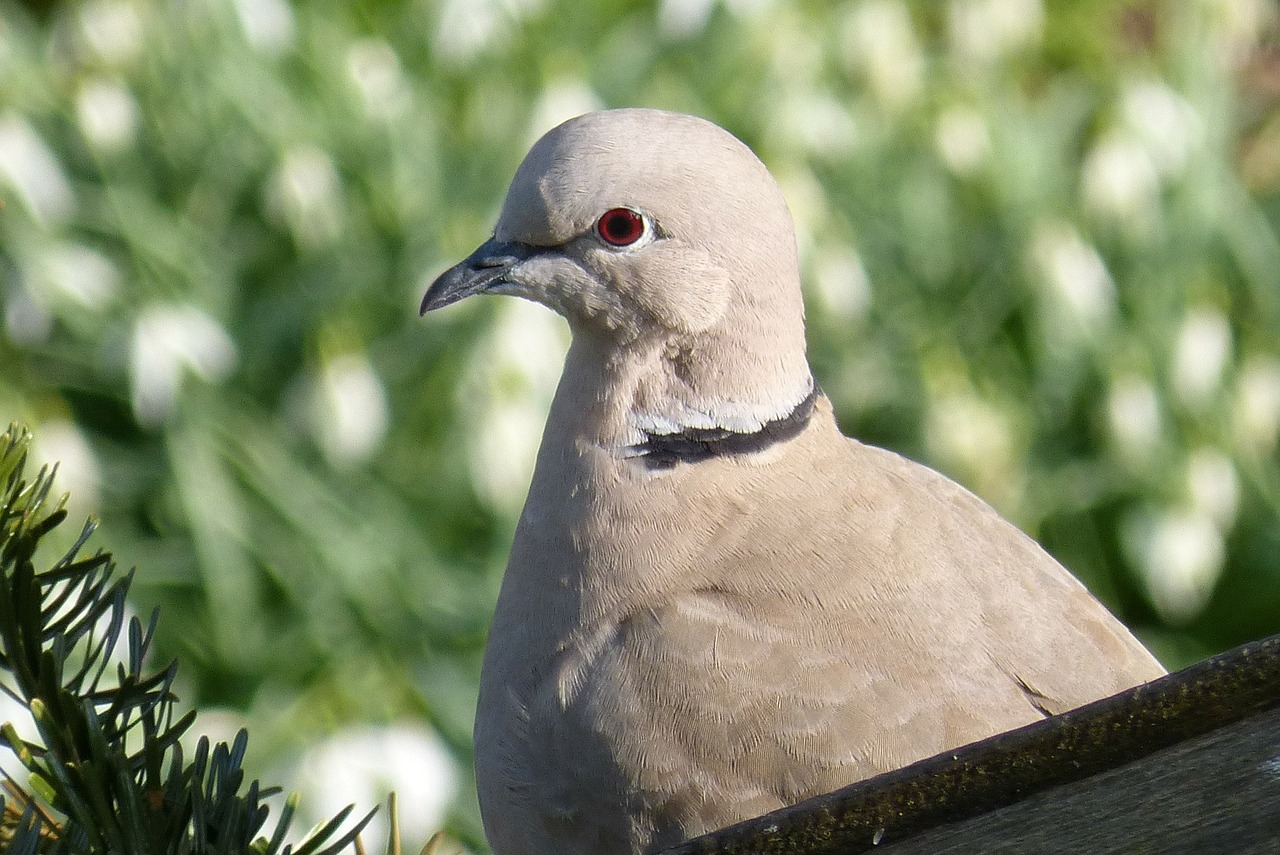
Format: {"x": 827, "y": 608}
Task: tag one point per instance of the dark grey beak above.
{"x": 479, "y": 271}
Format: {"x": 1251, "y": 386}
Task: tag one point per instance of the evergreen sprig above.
{"x": 108, "y": 774}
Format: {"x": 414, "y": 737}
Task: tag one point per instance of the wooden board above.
{"x": 1218, "y": 793}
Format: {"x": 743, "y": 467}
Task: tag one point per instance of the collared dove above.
{"x": 716, "y": 604}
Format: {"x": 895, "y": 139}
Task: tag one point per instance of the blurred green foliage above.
{"x": 100, "y": 768}
{"x": 1040, "y": 246}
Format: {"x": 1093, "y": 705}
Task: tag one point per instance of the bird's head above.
{"x": 643, "y": 227}
{"x": 634, "y": 220}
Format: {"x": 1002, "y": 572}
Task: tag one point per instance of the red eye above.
{"x": 620, "y": 227}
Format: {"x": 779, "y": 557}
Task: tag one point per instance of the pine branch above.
{"x": 108, "y": 775}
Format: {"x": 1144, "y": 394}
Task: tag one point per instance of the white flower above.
{"x": 1201, "y": 354}
{"x": 363, "y": 764}
{"x": 32, "y": 170}
{"x": 508, "y": 389}
{"x": 985, "y": 31}
{"x": 112, "y": 30}
{"x": 1150, "y": 144}
{"x": 268, "y": 24}
{"x": 817, "y": 123}
{"x": 107, "y": 114}
{"x": 966, "y": 430}
{"x": 975, "y": 440}
{"x": 348, "y": 410}
{"x": 305, "y": 192}
{"x": 168, "y": 340}
{"x": 841, "y": 285}
{"x": 879, "y": 40}
{"x": 1079, "y": 283}
{"x": 62, "y": 278}
{"x": 1164, "y": 122}
{"x": 1134, "y": 416}
{"x": 1180, "y": 553}
{"x": 1120, "y": 181}
{"x": 1212, "y": 486}
{"x": 60, "y": 441}
{"x": 682, "y": 19}
{"x": 962, "y": 140}
{"x": 374, "y": 68}
{"x": 807, "y": 199}
{"x": 468, "y": 28}
{"x": 561, "y": 100}
{"x": 1257, "y": 405}
{"x": 71, "y": 271}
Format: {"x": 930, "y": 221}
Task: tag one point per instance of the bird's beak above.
{"x": 489, "y": 265}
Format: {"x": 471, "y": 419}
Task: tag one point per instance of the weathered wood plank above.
{"x": 1218, "y": 793}
{"x": 1178, "y": 717}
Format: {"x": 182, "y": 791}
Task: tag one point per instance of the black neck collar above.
{"x": 691, "y": 445}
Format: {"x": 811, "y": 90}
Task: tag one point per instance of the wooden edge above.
{"x": 1006, "y": 768}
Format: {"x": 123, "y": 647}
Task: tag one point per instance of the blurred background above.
{"x": 1041, "y": 247}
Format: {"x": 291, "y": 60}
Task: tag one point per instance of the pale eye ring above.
{"x": 620, "y": 227}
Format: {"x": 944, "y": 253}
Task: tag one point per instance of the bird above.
{"x": 715, "y": 603}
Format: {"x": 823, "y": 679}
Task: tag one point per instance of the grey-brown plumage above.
{"x": 716, "y": 604}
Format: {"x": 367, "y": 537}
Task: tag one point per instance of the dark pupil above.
{"x": 621, "y": 226}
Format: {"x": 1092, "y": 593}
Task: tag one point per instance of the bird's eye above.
{"x": 620, "y": 227}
